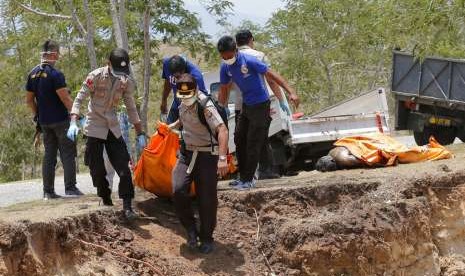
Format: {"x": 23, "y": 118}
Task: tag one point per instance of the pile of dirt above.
{"x": 407, "y": 220}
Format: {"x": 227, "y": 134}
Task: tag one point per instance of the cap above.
{"x": 119, "y": 60}
{"x": 186, "y": 86}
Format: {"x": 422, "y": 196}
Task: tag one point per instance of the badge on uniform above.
{"x": 244, "y": 69}
{"x": 89, "y": 83}
{"x": 208, "y": 113}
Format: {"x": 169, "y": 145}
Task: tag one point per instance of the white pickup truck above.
{"x": 298, "y": 142}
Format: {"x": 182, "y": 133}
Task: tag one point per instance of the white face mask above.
{"x": 230, "y": 61}
{"x": 189, "y": 101}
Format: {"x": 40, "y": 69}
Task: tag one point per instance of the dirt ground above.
{"x": 404, "y": 220}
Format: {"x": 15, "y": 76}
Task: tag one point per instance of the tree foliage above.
{"x": 337, "y": 48}
{"x": 23, "y": 31}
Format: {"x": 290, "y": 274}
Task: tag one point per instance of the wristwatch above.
{"x": 222, "y": 157}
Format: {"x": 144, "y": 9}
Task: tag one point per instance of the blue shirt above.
{"x": 246, "y": 72}
{"x": 44, "y": 81}
{"x": 191, "y": 69}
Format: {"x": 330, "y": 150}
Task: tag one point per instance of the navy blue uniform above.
{"x": 44, "y": 81}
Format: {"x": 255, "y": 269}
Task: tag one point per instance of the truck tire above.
{"x": 444, "y": 135}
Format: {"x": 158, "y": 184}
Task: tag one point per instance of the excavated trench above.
{"x": 337, "y": 225}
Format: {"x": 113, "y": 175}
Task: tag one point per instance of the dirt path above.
{"x": 406, "y": 220}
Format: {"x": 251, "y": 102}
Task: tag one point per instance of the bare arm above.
{"x": 31, "y": 102}
{"x": 223, "y": 94}
{"x": 223, "y": 139}
{"x": 164, "y": 97}
{"x": 65, "y": 97}
{"x": 283, "y": 83}
{"x": 223, "y": 148}
{"x": 275, "y": 88}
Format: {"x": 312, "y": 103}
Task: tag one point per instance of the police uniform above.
{"x": 197, "y": 162}
{"x": 102, "y": 127}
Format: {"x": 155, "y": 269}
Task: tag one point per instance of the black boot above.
{"x": 106, "y": 200}
{"x": 127, "y": 209}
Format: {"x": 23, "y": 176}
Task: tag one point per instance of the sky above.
{"x": 258, "y": 11}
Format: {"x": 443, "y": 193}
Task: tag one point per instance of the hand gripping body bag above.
{"x": 153, "y": 170}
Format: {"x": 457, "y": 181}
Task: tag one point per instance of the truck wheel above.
{"x": 444, "y": 135}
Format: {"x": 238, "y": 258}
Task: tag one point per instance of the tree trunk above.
{"x": 147, "y": 69}
{"x": 122, "y": 24}
{"x": 90, "y": 36}
{"x": 116, "y": 23}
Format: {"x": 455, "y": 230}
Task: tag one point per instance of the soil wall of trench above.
{"x": 341, "y": 225}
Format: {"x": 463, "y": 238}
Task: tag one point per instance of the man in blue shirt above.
{"x": 246, "y": 72}
{"x": 173, "y": 68}
{"x": 50, "y": 101}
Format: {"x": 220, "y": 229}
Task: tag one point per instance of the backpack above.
{"x": 202, "y": 104}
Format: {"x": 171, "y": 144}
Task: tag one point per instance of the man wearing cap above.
{"x": 246, "y": 72}
{"x": 50, "y": 101}
{"x": 199, "y": 161}
{"x": 106, "y": 86}
{"x": 173, "y": 67}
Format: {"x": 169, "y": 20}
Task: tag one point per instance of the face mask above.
{"x": 189, "y": 101}
{"x": 43, "y": 59}
{"x": 230, "y": 61}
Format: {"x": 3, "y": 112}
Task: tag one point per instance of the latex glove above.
{"x": 73, "y": 131}
{"x": 141, "y": 141}
{"x": 284, "y": 107}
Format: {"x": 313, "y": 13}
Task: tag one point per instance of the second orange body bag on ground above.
{"x": 383, "y": 150}
{"x": 154, "y": 168}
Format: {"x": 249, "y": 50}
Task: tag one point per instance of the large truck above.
{"x": 298, "y": 141}
{"x": 430, "y": 97}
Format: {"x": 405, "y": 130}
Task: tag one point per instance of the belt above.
{"x": 195, "y": 151}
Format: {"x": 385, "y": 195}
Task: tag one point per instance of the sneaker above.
{"x": 192, "y": 239}
{"x": 234, "y": 182}
{"x": 244, "y": 185}
{"x": 74, "y": 192}
{"x": 130, "y": 214}
{"x": 48, "y": 196}
{"x": 206, "y": 247}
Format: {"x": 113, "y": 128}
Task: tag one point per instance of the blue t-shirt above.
{"x": 44, "y": 81}
{"x": 191, "y": 69}
{"x": 246, "y": 73}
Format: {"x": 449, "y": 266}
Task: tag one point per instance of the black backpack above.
{"x": 202, "y": 104}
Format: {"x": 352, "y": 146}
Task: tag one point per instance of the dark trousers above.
{"x": 119, "y": 159}
{"x": 266, "y": 156}
{"x": 252, "y": 136}
{"x": 205, "y": 178}
{"x": 55, "y": 140}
